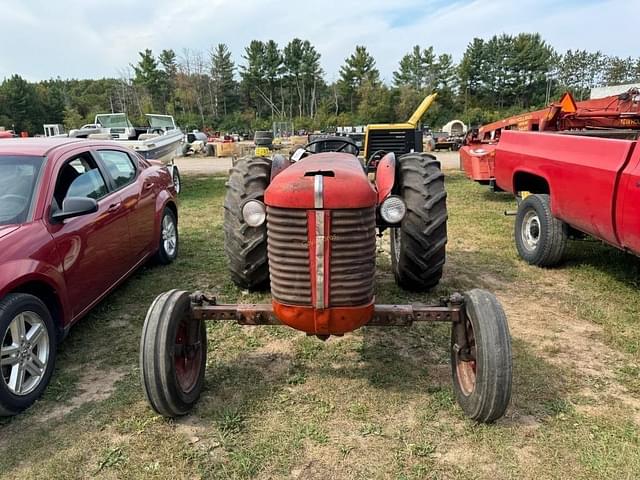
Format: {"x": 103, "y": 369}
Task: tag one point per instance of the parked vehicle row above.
{"x": 77, "y": 217}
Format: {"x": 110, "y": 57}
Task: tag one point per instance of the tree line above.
{"x": 500, "y": 76}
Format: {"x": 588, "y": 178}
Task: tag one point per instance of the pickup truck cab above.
{"x": 574, "y": 181}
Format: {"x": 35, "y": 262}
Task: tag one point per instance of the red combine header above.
{"x": 615, "y": 116}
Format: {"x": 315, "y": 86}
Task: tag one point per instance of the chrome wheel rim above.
{"x": 530, "y": 230}
{"x": 24, "y": 353}
{"x": 169, "y": 236}
{"x": 176, "y": 181}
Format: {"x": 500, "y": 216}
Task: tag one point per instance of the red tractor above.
{"x": 307, "y": 227}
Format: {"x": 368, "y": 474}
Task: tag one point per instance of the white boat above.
{"x": 159, "y": 140}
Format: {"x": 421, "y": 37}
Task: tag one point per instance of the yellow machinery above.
{"x": 399, "y": 138}
{"x": 262, "y": 152}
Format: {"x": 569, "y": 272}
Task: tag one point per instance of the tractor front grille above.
{"x": 352, "y": 239}
{"x": 288, "y": 251}
{"x": 353, "y": 251}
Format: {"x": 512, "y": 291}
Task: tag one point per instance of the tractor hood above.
{"x": 342, "y": 184}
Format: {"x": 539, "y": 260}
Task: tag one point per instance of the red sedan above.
{"x": 76, "y": 218}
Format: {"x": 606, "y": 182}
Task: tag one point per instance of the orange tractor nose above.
{"x": 330, "y": 321}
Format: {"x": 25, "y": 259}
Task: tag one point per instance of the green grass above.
{"x": 377, "y": 403}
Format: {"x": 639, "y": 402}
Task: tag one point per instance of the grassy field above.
{"x": 373, "y": 404}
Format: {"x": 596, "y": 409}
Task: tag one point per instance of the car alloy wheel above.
{"x": 24, "y": 353}
{"x": 169, "y": 235}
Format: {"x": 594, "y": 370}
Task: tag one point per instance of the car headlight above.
{"x": 254, "y": 213}
{"x": 393, "y": 209}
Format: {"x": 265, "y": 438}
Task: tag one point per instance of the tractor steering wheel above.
{"x": 345, "y": 143}
{"x": 372, "y": 161}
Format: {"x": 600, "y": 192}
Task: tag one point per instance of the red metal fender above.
{"x": 344, "y": 185}
{"x": 385, "y": 176}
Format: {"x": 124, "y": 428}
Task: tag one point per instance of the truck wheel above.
{"x": 541, "y": 239}
{"x": 168, "y": 247}
{"x": 245, "y": 246}
{"x": 418, "y": 245}
{"x": 173, "y": 354}
{"x": 27, "y": 351}
{"x": 482, "y": 372}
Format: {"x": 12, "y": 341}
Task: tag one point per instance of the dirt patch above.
{"x": 94, "y": 386}
{"x": 540, "y": 317}
{"x": 273, "y": 358}
{"x": 197, "y": 165}
{"x": 461, "y": 455}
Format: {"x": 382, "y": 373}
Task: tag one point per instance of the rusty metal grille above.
{"x": 353, "y": 252}
{"x": 288, "y": 250}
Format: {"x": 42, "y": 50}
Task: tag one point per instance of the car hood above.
{"x": 7, "y": 229}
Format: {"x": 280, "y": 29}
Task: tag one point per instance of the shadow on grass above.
{"x": 603, "y": 259}
{"x": 401, "y": 361}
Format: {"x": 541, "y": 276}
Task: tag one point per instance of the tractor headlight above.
{"x": 393, "y": 209}
{"x": 254, "y": 213}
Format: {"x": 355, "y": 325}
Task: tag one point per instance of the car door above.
{"x": 137, "y": 192}
{"x": 93, "y": 247}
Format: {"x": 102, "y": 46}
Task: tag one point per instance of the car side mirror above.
{"x": 75, "y": 207}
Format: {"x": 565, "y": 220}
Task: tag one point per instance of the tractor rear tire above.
{"x": 173, "y": 354}
{"x": 482, "y": 374}
{"x": 245, "y": 246}
{"x": 418, "y": 245}
{"x": 541, "y": 239}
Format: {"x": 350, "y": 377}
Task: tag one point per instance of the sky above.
{"x": 42, "y": 39}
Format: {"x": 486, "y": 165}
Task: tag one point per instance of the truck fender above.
{"x": 385, "y": 176}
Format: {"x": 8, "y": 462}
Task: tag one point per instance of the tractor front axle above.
{"x": 448, "y": 310}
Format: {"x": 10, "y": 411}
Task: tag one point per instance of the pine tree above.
{"x": 223, "y": 83}
{"x": 168, "y": 74}
{"x": 148, "y": 76}
{"x": 417, "y": 69}
{"x": 253, "y": 74}
{"x": 358, "y": 68}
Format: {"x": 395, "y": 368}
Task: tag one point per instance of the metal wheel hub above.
{"x": 465, "y": 362}
{"x": 24, "y": 353}
{"x": 169, "y": 235}
{"x": 530, "y": 230}
{"x": 188, "y": 355}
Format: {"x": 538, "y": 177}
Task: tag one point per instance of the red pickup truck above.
{"x": 567, "y": 182}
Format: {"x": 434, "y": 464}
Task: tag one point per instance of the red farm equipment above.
{"x": 617, "y": 116}
{"x": 307, "y": 226}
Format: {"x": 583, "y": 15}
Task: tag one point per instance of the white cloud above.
{"x": 43, "y": 39}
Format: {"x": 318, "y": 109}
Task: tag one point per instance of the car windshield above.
{"x": 18, "y": 179}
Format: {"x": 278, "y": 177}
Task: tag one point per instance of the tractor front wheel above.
{"x": 173, "y": 354}
{"x": 481, "y": 358}
{"x": 418, "y": 245}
